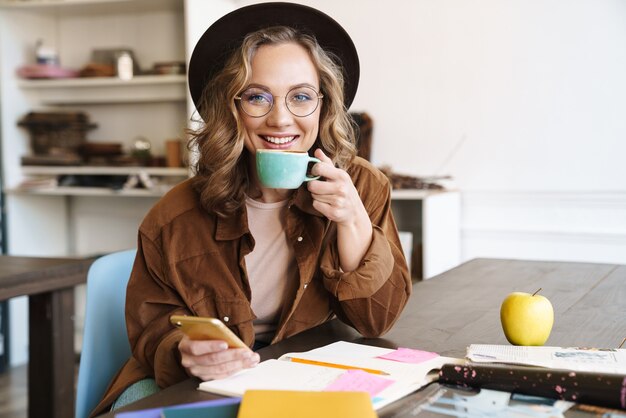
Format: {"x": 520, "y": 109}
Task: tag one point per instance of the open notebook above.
{"x": 395, "y": 380}
{"x": 598, "y": 360}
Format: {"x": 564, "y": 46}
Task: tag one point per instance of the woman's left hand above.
{"x": 338, "y": 200}
{"x": 336, "y": 197}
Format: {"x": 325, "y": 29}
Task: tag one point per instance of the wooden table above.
{"x": 49, "y": 284}
{"x": 462, "y": 306}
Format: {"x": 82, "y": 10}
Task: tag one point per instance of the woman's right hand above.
{"x": 212, "y": 359}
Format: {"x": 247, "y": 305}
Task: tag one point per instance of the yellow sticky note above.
{"x": 301, "y": 404}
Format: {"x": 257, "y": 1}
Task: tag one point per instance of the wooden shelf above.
{"x": 88, "y": 191}
{"x": 34, "y": 170}
{"x": 102, "y": 90}
{"x": 52, "y": 172}
{"x": 91, "y": 7}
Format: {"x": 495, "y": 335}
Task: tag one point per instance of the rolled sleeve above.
{"x": 371, "y": 297}
{"x": 167, "y": 370}
{"x": 368, "y": 278}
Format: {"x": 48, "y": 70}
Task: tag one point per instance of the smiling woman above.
{"x": 269, "y": 262}
{"x": 272, "y": 62}
{"x": 293, "y": 125}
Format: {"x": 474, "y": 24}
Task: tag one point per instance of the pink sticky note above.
{"x": 359, "y": 381}
{"x": 409, "y": 355}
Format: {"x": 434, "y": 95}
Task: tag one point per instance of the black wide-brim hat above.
{"x": 224, "y": 36}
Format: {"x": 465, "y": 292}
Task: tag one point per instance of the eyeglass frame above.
{"x": 319, "y": 98}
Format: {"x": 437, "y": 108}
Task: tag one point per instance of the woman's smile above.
{"x": 279, "y": 141}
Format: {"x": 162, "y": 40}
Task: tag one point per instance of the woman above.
{"x": 269, "y": 263}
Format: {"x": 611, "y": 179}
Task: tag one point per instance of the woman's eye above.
{"x": 300, "y": 97}
{"x": 257, "y": 99}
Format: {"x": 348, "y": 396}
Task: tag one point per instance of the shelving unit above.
{"x": 82, "y": 221}
{"x": 432, "y": 217}
{"x": 150, "y": 106}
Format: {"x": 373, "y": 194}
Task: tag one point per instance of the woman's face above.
{"x": 278, "y": 69}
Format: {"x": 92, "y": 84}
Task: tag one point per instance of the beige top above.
{"x": 271, "y": 266}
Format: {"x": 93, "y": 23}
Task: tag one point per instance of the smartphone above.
{"x": 203, "y": 328}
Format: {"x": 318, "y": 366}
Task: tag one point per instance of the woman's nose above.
{"x": 279, "y": 115}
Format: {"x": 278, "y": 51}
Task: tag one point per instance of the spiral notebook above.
{"x": 361, "y": 368}
{"x": 597, "y": 360}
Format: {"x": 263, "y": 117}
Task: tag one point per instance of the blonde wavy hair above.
{"x": 221, "y": 171}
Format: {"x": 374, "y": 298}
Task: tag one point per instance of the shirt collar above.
{"x": 234, "y": 226}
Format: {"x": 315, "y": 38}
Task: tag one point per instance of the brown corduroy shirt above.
{"x": 191, "y": 262}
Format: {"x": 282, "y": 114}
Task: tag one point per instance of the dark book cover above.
{"x": 607, "y": 390}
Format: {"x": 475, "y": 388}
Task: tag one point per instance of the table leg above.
{"x": 51, "y": 354}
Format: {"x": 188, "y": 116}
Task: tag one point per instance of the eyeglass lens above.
{"x": 300, "y": 101}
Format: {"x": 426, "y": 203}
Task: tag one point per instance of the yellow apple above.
{"x": 526, "y": 319}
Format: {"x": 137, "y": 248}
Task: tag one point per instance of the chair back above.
{"x": 105, "y": 341}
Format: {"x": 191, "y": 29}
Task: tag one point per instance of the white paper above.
{"x": 283, "y": 374}
{"x": 274, "y": 375}
{"x": 570, "y": 358}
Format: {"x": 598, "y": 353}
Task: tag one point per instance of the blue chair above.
{"x": 105, "y": 341}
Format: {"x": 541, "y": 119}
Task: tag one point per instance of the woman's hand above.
{"x": 212, "y": 359}
{"x": 338, "y": 200}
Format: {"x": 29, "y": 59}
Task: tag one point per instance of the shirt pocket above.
{"x": 236, "y": 314}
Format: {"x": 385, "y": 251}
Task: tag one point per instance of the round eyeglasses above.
{"x": 300, "y": 101}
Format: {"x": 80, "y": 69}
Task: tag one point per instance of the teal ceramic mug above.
{"x": 283, "y": 169}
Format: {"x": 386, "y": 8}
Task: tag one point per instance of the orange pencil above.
{"x": 336, "y": 366}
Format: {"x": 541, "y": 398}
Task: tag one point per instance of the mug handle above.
{"x": 306, "y": 176}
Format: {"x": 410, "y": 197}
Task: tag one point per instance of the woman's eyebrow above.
{"x": 295, "y": 86}
{"x": 311, "y": 86}
{"x": 258, "y": 86}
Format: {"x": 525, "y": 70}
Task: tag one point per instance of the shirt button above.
{"x": 299, "y": 239}
{"x": 226, "y": 319}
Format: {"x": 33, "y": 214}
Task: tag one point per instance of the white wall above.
{"x": 522, "y": 101}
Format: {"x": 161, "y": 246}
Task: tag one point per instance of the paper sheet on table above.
{"x": 600, "y": 360}
{"x": 283, "y": 374}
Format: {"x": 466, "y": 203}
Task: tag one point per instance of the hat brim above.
{"x": 225, "y": 35}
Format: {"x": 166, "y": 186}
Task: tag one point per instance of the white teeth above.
{"x": 281, "y": 140}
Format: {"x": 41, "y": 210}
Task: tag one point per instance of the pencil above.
{"x": 337, "y": 366}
